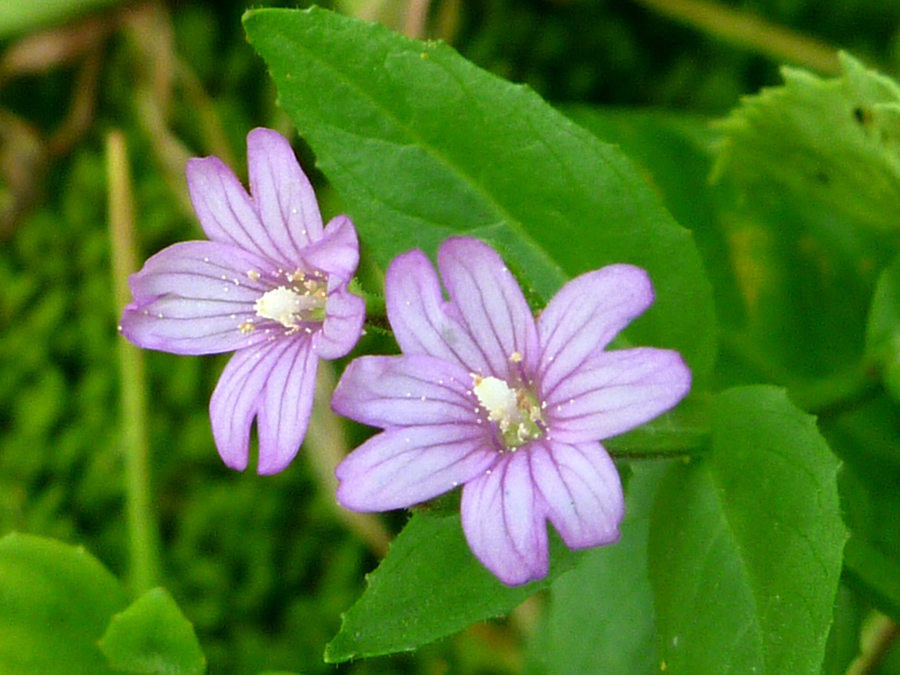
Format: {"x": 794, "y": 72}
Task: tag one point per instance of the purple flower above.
{"x": 510, "y": 408}
{"x": 270, "y": 284}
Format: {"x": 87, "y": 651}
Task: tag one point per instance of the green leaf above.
{"x": 868, "y": 484}
{"x": 601, "y": 617}
{"x": 675, "y": 154}
{"x": 674, "y": 151}
{"x": 429, "y": 586}
{"x": 153, "y": 637}
{"x": 746, "y": 545}
{"x": 843, "y": 646}
{"x": 793, "y": 280}
{"x": 675, "y": 433}
{"x": 55, "y": 603}
{"x": 421, "y": 145}
{"x": 884, "y": 318}
{"x": 877, "y": 574}
{"x": 883, "y": 329}
{"x": 19, "y": 16}
{"x": 834, "y": 140}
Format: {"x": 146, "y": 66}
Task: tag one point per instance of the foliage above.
{"x": 761, "y": 532}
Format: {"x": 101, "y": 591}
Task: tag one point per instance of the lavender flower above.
{"x": 511, "y": 408}
{"x": 271, "y": 284}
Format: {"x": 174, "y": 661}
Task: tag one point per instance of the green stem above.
{"x": 655, "y": 455}
{"x": 376, "y": 309}
{"x": 842, "y": 392}
{"x": 416, "y": 21}
{"x": 375, "y": 304}
{"x": 753, "y": 32}
{"x": 680, "y": 434}
{"x": 142, "y": 526}
{"x": 326, "y": 446}
{"x": 825, "y": 397}
{"x": 879, "y": 639}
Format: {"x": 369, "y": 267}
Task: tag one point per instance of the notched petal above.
{"x": 336, "y": 253}
{"x": 225, "y": 210}
{"x": 192, "y": 298}
{"x": 164, "y": 325}
{"x": 402, "y": 467}
{"x": 586, "y": 314}
{"x": 490, "y": 303}
{"x": 345, "y": 315}
{"x": 581, "y": 491}
{"x": 417, "y": 312}
{"x": 203, "y": 270}
{"x": 503, "y": 524}
{"x": 614, "y": 392}
{"x": 255, "y": 382}
{"x": 388, "y": 391}
{"x": 282, "y": 194}
{"x": 285, "y": 406}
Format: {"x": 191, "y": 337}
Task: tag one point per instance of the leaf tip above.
{"x": 336, "y": 653}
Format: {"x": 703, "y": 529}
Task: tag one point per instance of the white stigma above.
{"x": 497, "y": 398}
{"x": 286, "y": 306}
{"x": 516, "y": 413}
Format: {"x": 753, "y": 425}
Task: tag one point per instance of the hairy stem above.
{"x": 751, "y": 32}
{"x": 880, "y": 637}
{"x": 326, "y": 446}
{"x": 416, "y": 18}
{"x": 142, "y": 526}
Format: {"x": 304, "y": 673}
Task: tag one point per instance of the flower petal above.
{"x": 406, "y": 466}
{"x": 225, "y": 210}
{"x": 614, "y": 392}
{"x": 586, "y": 314}
{"x": 336, "y": 253}
{"x": 248, "y": 386}
{"x": 503, "y": 521}
{"x": 490, "y": 304}
{"x": 388, "y": 391}
{"x": 417, "y": 314}
{"x": 282, "y": 194}
{"x": 286, "y": 406}
{"x": 344, "y": 319}
{"x": 582, "y": 491}
{"x": 192, "y": 298}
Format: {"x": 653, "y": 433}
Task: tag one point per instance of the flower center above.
{"x": 516, "y": 412}
{"x": 286, "y": 306}
{"x": 302, "y": 302}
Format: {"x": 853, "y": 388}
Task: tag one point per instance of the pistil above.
{"x": 301, "y": 301}
{"x": 516, "y": 412}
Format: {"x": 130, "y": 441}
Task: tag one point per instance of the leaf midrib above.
{"x": 493, "y": 204}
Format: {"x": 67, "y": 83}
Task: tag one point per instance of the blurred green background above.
{"x": 263, "y": 567}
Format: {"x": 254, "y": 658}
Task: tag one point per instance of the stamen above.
{"x": 515, "y": 411}
{"x": 288, "y": 307}
{"x": 496, "y": 397}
